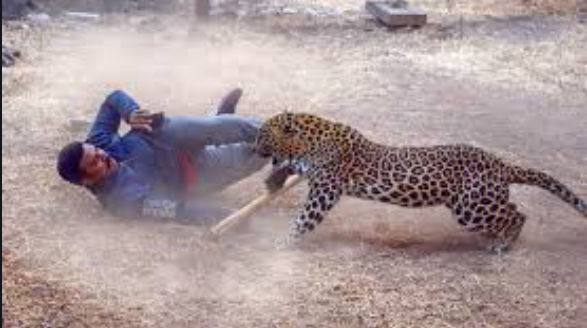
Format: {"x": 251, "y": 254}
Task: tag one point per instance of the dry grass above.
{"x": 29, "y": 300}
{"x": 516, "y": 7}
{"x": 459, "y": 7}
{"x": 369, "y": 265}
{"x": 556, "y": 6}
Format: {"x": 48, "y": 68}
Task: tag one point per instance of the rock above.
{"x": 9, "y": 56}
{"x": 396, "y": 13}
{"x": 7, "y": 61}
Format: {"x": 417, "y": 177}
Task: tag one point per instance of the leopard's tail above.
{"x": 521, "y": 175}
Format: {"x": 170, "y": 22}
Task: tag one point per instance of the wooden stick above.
{"x": 252, "y": 207}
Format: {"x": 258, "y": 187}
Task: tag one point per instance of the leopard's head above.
{"x": 290, "y": 136}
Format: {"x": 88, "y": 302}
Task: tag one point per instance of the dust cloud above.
{"x": 180, "y": 69}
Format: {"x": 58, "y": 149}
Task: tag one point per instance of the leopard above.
{"x": 338, "y": 160}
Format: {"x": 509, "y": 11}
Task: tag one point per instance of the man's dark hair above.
{"x": 68, "y": 162}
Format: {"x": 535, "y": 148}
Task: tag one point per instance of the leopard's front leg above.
{"x": 322, "y": 197}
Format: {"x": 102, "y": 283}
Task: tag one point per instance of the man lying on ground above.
{"x": 163, "y": 162}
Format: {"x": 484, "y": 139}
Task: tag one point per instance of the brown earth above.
{"x": 512, "y": 84}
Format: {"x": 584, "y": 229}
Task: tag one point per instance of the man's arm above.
{"x": 117, "y": 106}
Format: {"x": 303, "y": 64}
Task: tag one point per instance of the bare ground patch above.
{"x": 369, "y": 265}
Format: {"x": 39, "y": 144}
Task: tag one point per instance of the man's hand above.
{"x": 143, "y": 119}
{"x": 140, "y": 119}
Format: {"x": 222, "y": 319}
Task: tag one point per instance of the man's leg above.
{"x": 218, "y": 167}
{"x": 198, "y": 132}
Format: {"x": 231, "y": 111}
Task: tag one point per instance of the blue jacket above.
{"x": 148, "y": 181}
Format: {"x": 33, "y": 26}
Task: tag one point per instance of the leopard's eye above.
{"x": 288, "y": 130}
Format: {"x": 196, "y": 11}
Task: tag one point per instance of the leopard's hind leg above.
{"x": 484, "y": 207}
{"x": 506, "y": 229}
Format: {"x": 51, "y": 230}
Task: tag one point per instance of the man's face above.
{"x": 95, "y": 165}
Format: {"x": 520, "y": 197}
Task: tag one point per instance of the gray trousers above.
{"x": 220, "y": 147}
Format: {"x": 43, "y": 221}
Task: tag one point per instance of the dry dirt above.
{"x": 513, "y": 84}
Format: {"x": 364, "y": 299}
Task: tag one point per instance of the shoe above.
{"x": 228, "y": 103}
{"x": 7, "y": 60}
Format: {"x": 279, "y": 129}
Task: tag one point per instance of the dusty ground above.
{"x": 512, "y": 84}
